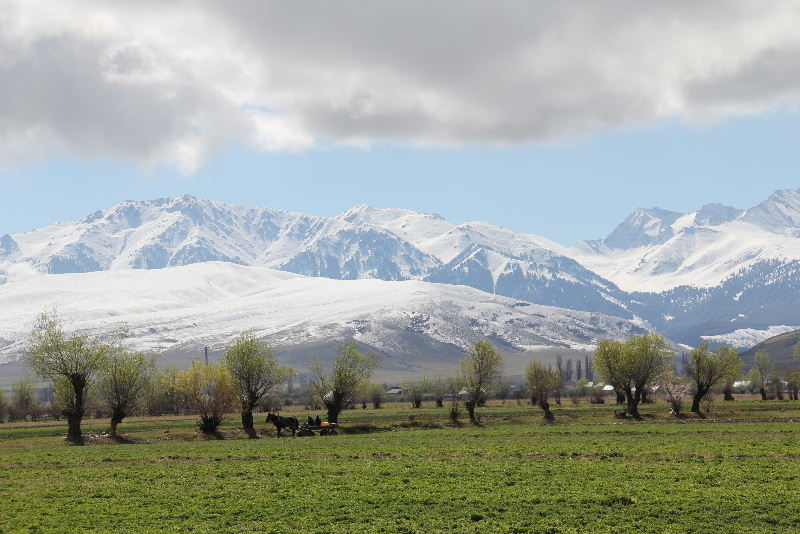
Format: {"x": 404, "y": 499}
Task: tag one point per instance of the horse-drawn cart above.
{"x": 325, "y": 429}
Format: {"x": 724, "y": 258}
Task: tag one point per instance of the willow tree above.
{"x": 75, "y": 357}
{"x": 257, "y": 372}
{"x": 210, "y": 391}
{"x": 632, "y": 366}
{"x": 766, "y": 369}
{"x": 541, "y": 382}
{"x": 339, "y": 385}
{"x": 706, "y": 368}
{"x": 480, "y": 371}
{"x": 124, "y": 379}
{"x": 415, "y": 391}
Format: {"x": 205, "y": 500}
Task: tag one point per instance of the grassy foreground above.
{"x": 736, "y": 471}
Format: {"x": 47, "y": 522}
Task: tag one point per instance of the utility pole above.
{"x": 206, "y": 352}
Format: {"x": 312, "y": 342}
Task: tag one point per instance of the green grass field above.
{"x": 736, "y": 471}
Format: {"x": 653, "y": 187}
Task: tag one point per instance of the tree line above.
{"x": 249, "y": 374}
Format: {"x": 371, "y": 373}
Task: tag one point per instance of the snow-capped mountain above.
{"x": 688, "y": 275}
{"x": 656, "y": 250}
{"x": 181, "y": 308}
{"x": 364, "y": 242}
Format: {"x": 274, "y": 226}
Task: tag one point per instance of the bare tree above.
{"x": 53, "y": 353}
{"x": 540, "y": 382}
{"x": 257, "y": 372}
{"x": 673, "y": 389}
{"x": 338, "y": 387}
{"x": 480, "y": 371}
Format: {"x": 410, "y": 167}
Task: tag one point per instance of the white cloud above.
{"x": 172, "y": 82}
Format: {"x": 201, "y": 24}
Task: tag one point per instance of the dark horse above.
{"x": 282, "y": 422}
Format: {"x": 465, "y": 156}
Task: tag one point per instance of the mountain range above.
{"x": 720, "y": 273}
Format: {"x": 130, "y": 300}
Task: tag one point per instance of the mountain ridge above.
{"x": 686, "y": 275}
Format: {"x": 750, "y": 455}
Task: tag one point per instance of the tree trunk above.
{"x": 728, "y": 392}
{"x": 334, "y": 406}
{"x": 439, "y": 402}
{"x": 698, "y": 396}
{"x": 75, "y": 414}
{"x": 74, "y": 427}
{"x": 620, "y": 396}
{"x": 117, "y": 415}
{"x": 544, "y": 405}
{"x": 470, "y": 406}
{"x": 633, "y": 400}
{"x": 247, "y": 424}
{"x": 763, "y": 393}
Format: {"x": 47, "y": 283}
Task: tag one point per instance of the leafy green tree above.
{"x": 210, "y": 391}
{"x": 165, "y": 395}
{"x": 438, "y": 387}
{"x": 257, "y": 372}
{"x": 732, "y": 374}
{"x": 3, "y": 405}
{"x": 766, "y": 369}
{"x": 793, "y": 383}
{"x": 480, "y": 371}
{"x": 541, "y": 382}
{"x": 756, "y": 380}
{"x": 53, "y": 353}
{"x": 123, "y": 382}
{"x": 338, "y": 386}
{"x": 415, "y": 391}
{"x": 23, "y": 400}
{"x": 376, "y": 394}
{"x": 706, "y": 367}
{"x": 630, "y": 367}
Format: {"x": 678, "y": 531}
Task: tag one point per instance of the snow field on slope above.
{"x": 211, "y": 303}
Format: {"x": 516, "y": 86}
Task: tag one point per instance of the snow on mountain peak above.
{"x": 643, "y": 227}
{"x": 716, "y": 214}
{"x": 777, "y": 213}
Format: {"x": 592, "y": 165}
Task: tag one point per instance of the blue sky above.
{"x": 565, "y": 191}
{"x": 557, "y": 119}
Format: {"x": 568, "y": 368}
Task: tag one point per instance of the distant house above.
{"x": 395, "y": 390}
